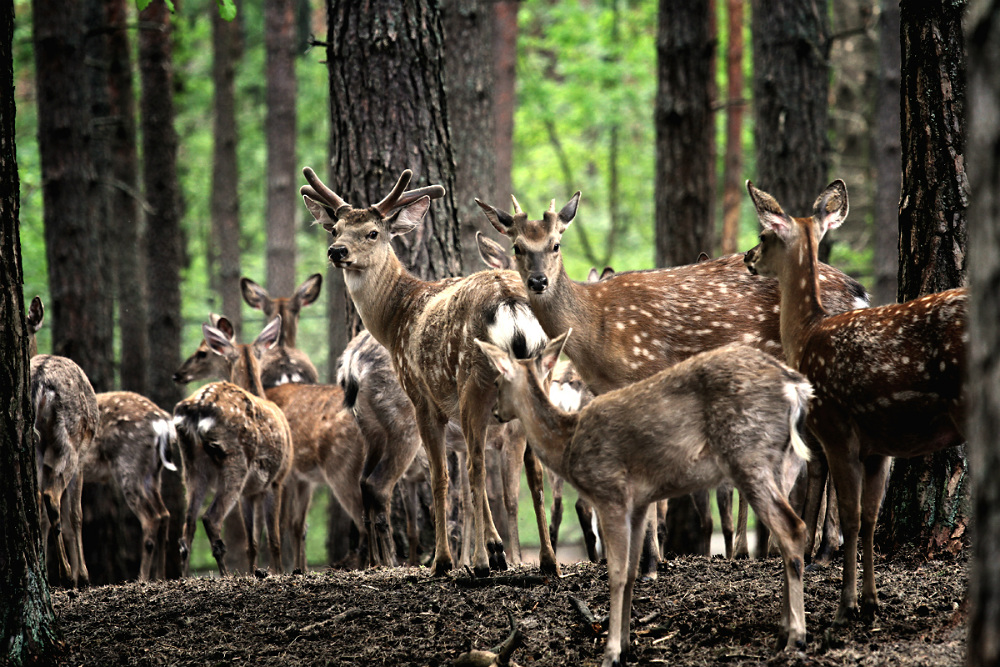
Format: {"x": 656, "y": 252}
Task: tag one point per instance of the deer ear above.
{"x": 498, "y": 357}
{"x": 321, "y": 216}
{"x": 492, "y": 253}
{"x": 308, "y": 291}
{"x": 268, "y": 338}
{"x": 568, "y": 212}
{"x": 409, "y": 217}
{"x": 255, "y": 295}
{"x": 769, "y": 211}
{"x": 216, "y": 340}
{"x": 223, "y": 324}
{"x": 501, "y": 220}
{"x": 831, "y": 207}
{"x": 36, "y": 313}
{"x": 550, "y": 355}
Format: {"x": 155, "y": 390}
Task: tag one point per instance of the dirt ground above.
{"x": 699, "y": 611}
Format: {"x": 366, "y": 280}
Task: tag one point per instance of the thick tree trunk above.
{"x": 791, "y": 45}
{"x": 80, "y": 329}
{"x": 126, "y": 202}
{"x": 732, "y": 184}
{"x": 469, "y": 80}
{"x": 887, "y": 155}
{"x": 984, "y": 336}
{"x": 927, "y": 500}
{"x": 28, "y": 629}
{"x": 225, "y": 251}
{"x": 684, "y": 132}
{"x": 164, "y": 248}
{"x": 283, "y": 170}
{"x": 504, "y": 93}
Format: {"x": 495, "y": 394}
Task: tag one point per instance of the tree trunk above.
{"x": 504, "y": 93}
{"x": 684, "y": 132}
{"x": 887, "y": 156}
{"x": 283, "y": 170}
{"x": 984, "y": 337}
{"x": 164, "y": 249}
{"x": 791, "y": 45}
{"x": 732, "y": 184}
{"x": 226, "y": 48}
{"x": 387, "y": 110}
{"x": 126, "y": 204}
{"x": 28, "y": 629}
{"x": 469, "y": 77}
{"x": 80, "y": 330}
{"x": 927, "y": 500}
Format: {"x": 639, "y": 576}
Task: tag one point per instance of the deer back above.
{"x": 133, "y": 441}
{"x": 633, "y": 324}
{"x": 66, "y": 415}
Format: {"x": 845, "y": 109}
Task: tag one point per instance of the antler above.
{"x": 317, "y": 190}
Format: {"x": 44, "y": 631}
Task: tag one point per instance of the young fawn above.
{"x": 730, "y": 413}
{"x": 234, "y": 440}
{"x": 888, "y": 380}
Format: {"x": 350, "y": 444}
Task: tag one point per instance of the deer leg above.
{"x": 142, "y": 507}
{"x": 533, "y": 471}
{"x": 585, "y": 513}
{"x": 616, "y": 526}
{"x": 474, "y": 418}
{"x": 52, "y": 499}
{"x": 197, "y": 488}
{"x": 252, "y": 528}
{"x": 74, "y": 536}
{"x": 162, "y": 514}
{"x": 556, "y": 483}
{"x": 223, "y": 503}
{"x": 740, "y": 547}
{"x": 272, "y": 517}
{"x": 432, "y": 434}
{"x": 872, "y": 491}
{"x": 846, "y": 473}
{"x": 702, "y": 503}
{"x": 296, "y": 498}
{"x": 651, "y": 545}
{"x": 724, "y": 499}
{"x": 411, "y": 510}
{"x": 639, "y": 521}
{"x": 830, "y": 539}
{"x": 816, "y": 482}
{"x": 515, "y": 451}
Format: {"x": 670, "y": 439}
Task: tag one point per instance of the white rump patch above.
{"x": 517, "y": 319}
{"x": 565, "y": 397}
{"x": 205, "y": 424}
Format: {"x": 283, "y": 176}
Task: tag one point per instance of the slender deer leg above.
{"x": 534, "y": 474}
{"x": 252, "y": 527}
{"x": 74, "y": 534}
{"x": 724, "y": 499}
{"x": 639, "y": 521}
{"x": 432, "y": 434}
{"x": 847, "y": 472}
{"x": 616, "y": 526}
{"x": 513, "y": 456}
{"x": 272, "y": 517}
{"x": 197, "y": 489}
{"x": 474, "y": 418}
{"x": 872, "y": 491}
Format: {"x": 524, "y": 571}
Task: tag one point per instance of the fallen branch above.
{"x": 596, "y": 627}
{"x": 498, "y": 655}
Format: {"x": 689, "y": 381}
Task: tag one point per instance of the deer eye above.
{"x": 517, "y": 250}
{"x": 555, "y": 247}
{"x": 373, "y": 234}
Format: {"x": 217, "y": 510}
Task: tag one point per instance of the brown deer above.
{"x": 132, "y": 447}
{"x": 284, "y": 362}
{"x": 429, "y": 329}
{"x": 888, "y": 380}
{"x": 636, "y": 323}
{"x": 235, "y": 441}
{"x": 66, "y": 423}
{"x": 729, "y": 413}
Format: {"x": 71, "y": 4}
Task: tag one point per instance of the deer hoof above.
{"x": 845, "y": 616}
{"x": 442, "y": 567}
{"x": 481, "y": 572}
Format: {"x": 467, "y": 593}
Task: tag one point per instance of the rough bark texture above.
{"x": 28, "y": 632}
{"x": 126, "y": 200}
{"x": 732, "y": 177}
{"x": 791, "y": 45}
{"x": 927, "y": 500}
{"x": 469, "y": 77}
{"x": 283, "y": 170}
{"x": 684, "y": 131}
{"x": 886, "y": 156}
{"x": 163, "y": 236}
{"x": 984, "y": 335}
{"x": 226, "y": 49}
{"x": 69, "y": 192}
{"x": 504, "y": 93}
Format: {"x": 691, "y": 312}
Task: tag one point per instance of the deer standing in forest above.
{"x": 429, "y": 328}
{"x": 729, "y": 413}
{"x": 132, "y": 447}
{"x": 888, "y": 380}
{"x": 235, "y": 441}
{"x": 66, "y": 423}
{"x": 636, "y": 323}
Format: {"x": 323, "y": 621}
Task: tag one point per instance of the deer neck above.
{"x": 801, "y": 306}
{"x": 379, "y": 294}
{"x": 564, "y": 306}
{"x": 548, "y": 428}
{"x": 246, "y": 372}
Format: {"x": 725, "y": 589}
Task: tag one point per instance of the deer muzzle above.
{"x": 538, "y": 283}
{"x": 338, "y": 255}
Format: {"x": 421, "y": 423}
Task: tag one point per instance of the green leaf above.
{"x": 142, "y": 4}
{"x": 227, "y": 9}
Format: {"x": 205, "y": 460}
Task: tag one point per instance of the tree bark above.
{"x": 927, "y": 499}
{"x": 732, "y": 195}
{"x": 283, "y": 170}
{"x": 504, "y": 94}
{"x": 684, "y": 133}
{"x": 469, "y": 80}
{"x": 226, "y": 48}
{"x": 791, "y": 45}
{"x": 28, "y": 629}
{"x": 887, "y": 156}
{"x": 70, "y": 192}
{"x": 983, "y": 646}
{"x": 164, "y": 248}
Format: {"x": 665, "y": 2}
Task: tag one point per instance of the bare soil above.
{"x": 699, "y": 611}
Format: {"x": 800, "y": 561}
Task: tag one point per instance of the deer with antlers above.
{"x": 429, "y": 328}
{"x": 888, "y": 380}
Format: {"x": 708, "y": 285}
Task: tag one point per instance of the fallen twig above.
{"x": 588, "y": 616}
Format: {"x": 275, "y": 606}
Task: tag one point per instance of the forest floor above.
{"x": 699, "y": 611}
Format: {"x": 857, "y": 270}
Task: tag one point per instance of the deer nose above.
{"x": 337, "y": 253}
{"x": 537, "y": 282}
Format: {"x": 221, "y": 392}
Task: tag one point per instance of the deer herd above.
{"x": 735, "y": 372}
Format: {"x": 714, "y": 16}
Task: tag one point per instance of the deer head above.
{"x": 536, "y": 242}
{"x": 287, "y": 307}
{"x": 205, "y": 363}
{"x": 36, "y": 313}
{"x": 518, "y": 376}
{"x": 243, "y": 360}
